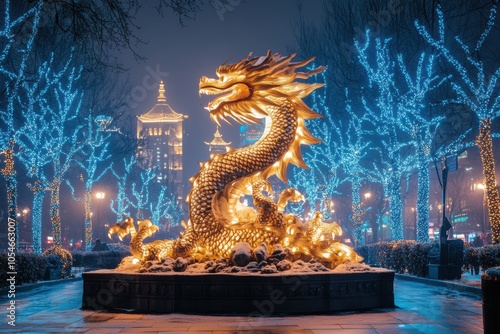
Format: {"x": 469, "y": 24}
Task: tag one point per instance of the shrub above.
{"x": 77, "y": 259}
{"x": 418, "y": 259}
{"x": 471, "y": 257}
{"x": 400, "y": 255}
{"x": 404, "y": 256}
{"x": 30, "y": 268}
{"x": 489, "y": 256}
{"x": 373, "y": 257}
{"x": 384, "y": 254}
{"x": 119, "y": 247}
{"x": 363, "y": 252}
{"x": 408, "y": 256}
{"x": 99, "y": 260}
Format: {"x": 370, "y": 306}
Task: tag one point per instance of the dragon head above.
{"x": 246, "y": 87}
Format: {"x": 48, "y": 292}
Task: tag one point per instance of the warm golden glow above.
{"x": 254, "y": 89}
{"x": 485, "y": 145}
{"x": 479, "y": 186}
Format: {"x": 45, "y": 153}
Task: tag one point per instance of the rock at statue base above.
{"x": 242, "y": 254}
{"x": 261, "y": 253}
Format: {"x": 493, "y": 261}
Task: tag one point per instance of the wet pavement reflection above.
{"x": 420, "y": 308}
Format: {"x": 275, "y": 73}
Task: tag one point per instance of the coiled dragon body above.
{"x": 250, "y": 90}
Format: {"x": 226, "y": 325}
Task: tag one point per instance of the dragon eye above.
{"x": 223, "y": 78}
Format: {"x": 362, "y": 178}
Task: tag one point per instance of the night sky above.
{"x": 184, "y": 54}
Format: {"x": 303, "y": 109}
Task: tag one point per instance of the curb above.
{"x": 476, "y": 291}
{"x": 32, "y": 286}
{"x": 427, "y": 281}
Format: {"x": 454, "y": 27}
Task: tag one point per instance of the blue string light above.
{"x": 121, "y": 205}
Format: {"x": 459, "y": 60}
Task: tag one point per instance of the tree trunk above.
{"x": 356, "y": 215}
{"x": 88, "y": 220}
{"x": 140, "y": 214}
{"x": 10, "y": 179}
{"x": 395, "y": 209}
{"x": 36, "y": 217}
{"x": 485, "y": 145}
{"x": 12, "y": 206}
{"x": 55, "y": 217}
{"x": 423, "y": 203}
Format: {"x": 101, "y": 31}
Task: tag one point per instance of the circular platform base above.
{"x": 249, "y": 294}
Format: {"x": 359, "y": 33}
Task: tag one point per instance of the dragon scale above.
{"x": 225, "y": 168}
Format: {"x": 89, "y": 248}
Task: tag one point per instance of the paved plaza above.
{"x": 420, "y": 308}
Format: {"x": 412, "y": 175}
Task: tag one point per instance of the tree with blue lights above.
{"x": 13, "y": 75}
{"x": 320, "y": 182}
{"x": 141, "y": 190}
{"x": 91, "y": 159}
{"x": 401, "y": 115}
{"x": 165, "y": 206}
{"x": 138, "y": 194}
{"x": 346, "y": 148}
{"x": 64, "y": 134}
{"x": 306, "y": 181}
{"x": 422, "y": 127}
{"x": 343, "y": 148}
{"x": 121, "y": 206}
{"x": 352, "y": 148}
{"x": 476, "y": 88}
{"x": 383, "y": 114}
{"x": 34, "y": 139}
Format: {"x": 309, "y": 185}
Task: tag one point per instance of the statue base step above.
{"x": 445, "y": 271}
{"x": 248, "y": 294}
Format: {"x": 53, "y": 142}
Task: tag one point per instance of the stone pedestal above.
{"x": 248, "y": 294}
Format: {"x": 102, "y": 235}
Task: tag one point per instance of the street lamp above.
{"x": 367, "y": 195}
{"x": 414, "y": 211}
{"x": 23, "y": 232}
{"x": 383, "y": 231}
{"x": 100, "y": 196}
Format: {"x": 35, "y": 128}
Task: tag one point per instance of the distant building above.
{"x": 218, "y": 145}
{"x": 159, "y": 132}
{"x": 249, "y": 134}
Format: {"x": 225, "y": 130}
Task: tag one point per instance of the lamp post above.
{"x": 367, "y": 195}
{"x": 447, "y": 267}
{"x": 414, "y": 211}
{"x": 480, "y": 186}
{"x": 100, "y": 196}
{"x": 382, "y": 229}
{"x": 25, "y": 223}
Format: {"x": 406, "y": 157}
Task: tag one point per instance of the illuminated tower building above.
{"x": 160, "y": 136}
{"x": 218, "y": 145}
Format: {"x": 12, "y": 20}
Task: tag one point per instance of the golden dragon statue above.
{"x": 248, "y": 91}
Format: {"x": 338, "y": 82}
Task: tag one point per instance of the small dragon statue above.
{"x": 248, "y": 91}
